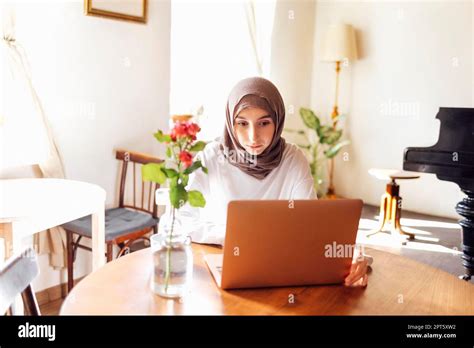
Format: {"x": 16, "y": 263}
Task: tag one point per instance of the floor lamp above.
{"x": 339, "y": 48}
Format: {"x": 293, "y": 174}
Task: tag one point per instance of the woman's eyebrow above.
{"x": 243, "y": 118}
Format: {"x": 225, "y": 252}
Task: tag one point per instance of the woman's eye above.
{"x": 264, "y": 123}
{"x": 242, "y": 123}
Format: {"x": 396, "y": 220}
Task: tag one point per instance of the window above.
{"x": 212, "y": 49}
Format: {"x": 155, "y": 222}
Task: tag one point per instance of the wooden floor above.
{"x": 51, "y": 308}
{"x": 437, "y": 240}
{"x": 437, "y": 243}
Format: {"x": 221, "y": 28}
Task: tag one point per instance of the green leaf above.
{"x": 170, "y": 173}
{"x": 310, "y": 119}
{"x": 169, "y": 154}
{"x": 199, "y": 146}
{"x": 299, "y": 131}
{"x": 307, "y": 147}
{"x": 204, "y": 169}
{"x": 333, "y": 150}
{"x": 162, "y": 138}
{"x": 193, "y": 167}
{"x": 174, "y": 181}
{"x": 329, "y": 135}
{"x": 178, "y": 196}
{"x": 152, "y": 172}
{"x": 196, "y": 199}
{"x": 184, "y": 179}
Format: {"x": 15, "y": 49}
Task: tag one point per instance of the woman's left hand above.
{"x": 358, "y": 273}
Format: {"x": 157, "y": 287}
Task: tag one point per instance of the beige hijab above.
{"x": 261, "y": 93}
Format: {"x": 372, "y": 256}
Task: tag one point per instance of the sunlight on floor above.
{"x": 422, "y": 242}
{"x": 426, "y": 223}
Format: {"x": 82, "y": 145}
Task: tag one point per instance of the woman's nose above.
{"x": 252, "y": 134}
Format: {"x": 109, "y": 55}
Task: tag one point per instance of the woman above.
{"x": 252, "y": 161}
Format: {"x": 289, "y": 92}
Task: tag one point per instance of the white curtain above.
{"x": 260, "y": 16}
{"x": 25, "y": 134}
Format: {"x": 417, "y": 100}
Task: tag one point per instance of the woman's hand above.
{"x": 358, "y": 273}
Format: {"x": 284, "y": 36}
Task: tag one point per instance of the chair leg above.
{"x": 70, "y": 260}
{"x": 383, "y": 215}
{"x": 125, "y": 248}
{"x": 109, "y": 251}
{"x": 30, "y": 301}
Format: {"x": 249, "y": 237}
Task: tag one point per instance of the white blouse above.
{"x": 224, "y": 182}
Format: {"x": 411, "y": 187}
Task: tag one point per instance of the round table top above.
{"x": 36, "y": 197}
{"x": 397, "y": 285}
{"x": 392, "y": 174}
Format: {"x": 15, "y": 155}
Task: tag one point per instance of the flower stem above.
{"x": 168, "y": 252}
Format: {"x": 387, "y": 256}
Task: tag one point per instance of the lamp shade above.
{"x": 339, "y": 44}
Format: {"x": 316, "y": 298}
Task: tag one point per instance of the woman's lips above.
{"x": 255, "y": 146}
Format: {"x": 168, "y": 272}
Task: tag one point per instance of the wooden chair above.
{"x": 16, "y": 276}
{"x": 123, "y": 225}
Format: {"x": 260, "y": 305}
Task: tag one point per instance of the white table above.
{"x": 28, "y": 206}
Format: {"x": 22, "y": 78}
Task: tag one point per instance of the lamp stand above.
{"x": 335, "y": 111}
{"x": 331, "y": 194}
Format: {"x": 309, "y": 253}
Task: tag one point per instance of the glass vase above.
{"x": 172, "y": 258}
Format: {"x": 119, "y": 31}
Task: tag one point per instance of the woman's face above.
{"x": 254, "y": 129}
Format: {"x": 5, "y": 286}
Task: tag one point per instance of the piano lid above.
{"x": 452, "y": 157}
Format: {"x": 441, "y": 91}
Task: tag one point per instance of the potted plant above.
{"x": 322, "y": 142}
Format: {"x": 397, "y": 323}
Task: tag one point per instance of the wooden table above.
{"x": 28, "y": 206}
{"x": 397, "y": 285}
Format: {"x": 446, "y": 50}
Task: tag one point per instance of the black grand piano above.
{"x": 452, "y": 159}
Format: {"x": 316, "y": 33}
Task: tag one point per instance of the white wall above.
{"x": 414, "y": 55}
{"x": 292, "y": 57}
{"x": 104, "y": 84}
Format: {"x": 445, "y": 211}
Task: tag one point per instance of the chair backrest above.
{"x": 148, "y": 189}
{"x": 16, "y": 276}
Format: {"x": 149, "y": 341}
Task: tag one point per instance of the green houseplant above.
{"x": 321, "y": 143}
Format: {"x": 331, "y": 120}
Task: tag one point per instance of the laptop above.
{"x": 272, "y": 243}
